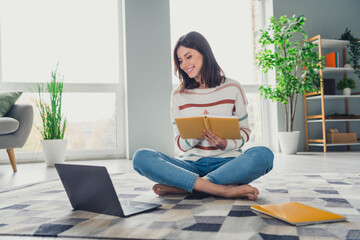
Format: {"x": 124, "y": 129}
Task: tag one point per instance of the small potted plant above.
{"x": 53, "y": 120}
{"x": 346, "y": 84}
{"x": 347, "y": 63}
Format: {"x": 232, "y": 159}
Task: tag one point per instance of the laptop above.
{"x": 90, "y": 188}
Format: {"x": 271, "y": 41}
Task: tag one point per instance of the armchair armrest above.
{"x": 25, "y": 115}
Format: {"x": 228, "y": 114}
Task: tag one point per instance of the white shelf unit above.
{"x": 319, "y": 96}
{"x": 337, "y": 70}
{"x": 335, "y": 144}
{"x": 332, "y": 97}
{"x": 335, "y": 120}
{"x": 329, "y": 43}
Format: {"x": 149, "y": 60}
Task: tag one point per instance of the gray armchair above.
{"x": 15, "y": 128}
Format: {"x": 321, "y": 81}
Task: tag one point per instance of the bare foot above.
{"x": 226, "y": 191}
{"x": 236, "y": 191}
{"x": 160, "y": 189}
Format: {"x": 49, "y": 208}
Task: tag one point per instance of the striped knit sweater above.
{"x": 227, "y": 99}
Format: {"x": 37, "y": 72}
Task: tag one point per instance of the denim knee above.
{"x": 267, "y": 157}
{"x": 141, "y": 158}
{"x": 264, "y": 155}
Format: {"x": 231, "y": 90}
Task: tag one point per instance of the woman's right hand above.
{"x": 215, "y": 140}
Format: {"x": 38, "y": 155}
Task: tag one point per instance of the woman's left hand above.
{"x": 215, "y": 140}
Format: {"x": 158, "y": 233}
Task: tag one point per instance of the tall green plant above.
{"x": 53, "y": 121}
{"x": 294, "y": 59}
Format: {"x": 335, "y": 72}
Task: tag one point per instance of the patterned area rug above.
{"x": 44, "y": 210}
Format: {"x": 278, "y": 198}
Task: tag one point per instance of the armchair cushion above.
{"x": 8, "y": 125}
{"x": 7, "y": 100}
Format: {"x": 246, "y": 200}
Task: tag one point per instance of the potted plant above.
{"x": 296, "y": 64}
{"x": 346, "y": 84}
{"x": 347, "y": 64}
{"x": 354, "y": 50}
{"x": 53, "y": 120}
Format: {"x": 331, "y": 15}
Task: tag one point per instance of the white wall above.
{"x": 329, "y": 18}
{"x": 148, "y": 82}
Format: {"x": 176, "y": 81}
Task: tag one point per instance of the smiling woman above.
{"x": 210, "y": 163}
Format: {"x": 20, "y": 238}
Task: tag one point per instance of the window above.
{"x": 91, "y": 125}
{"x": 81, "y": 35}
{"x": 84, "y": 38}
{"x": 229, "y": 28}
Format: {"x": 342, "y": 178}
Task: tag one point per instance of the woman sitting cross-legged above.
{"x": 211, "y": 164}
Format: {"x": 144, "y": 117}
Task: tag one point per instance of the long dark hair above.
{"x": 211, "y": 73}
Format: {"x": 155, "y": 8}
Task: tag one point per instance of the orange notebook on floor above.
{"x": 298, "y": 214}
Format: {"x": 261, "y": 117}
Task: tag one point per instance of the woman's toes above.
{"x": 256, "y": 191}
{"x": 156, "y": 189}
{"x": 253, "y": 197}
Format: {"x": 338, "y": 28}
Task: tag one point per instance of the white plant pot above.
{"x": 347, "y": 66}
{"x": 54, "y": 151}
{"x": 347, "y": 91}
{"x": 289, "y": 141}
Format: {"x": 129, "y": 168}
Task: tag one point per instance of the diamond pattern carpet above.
{"x": 43, "y": 209}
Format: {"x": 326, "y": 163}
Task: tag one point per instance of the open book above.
{"x": 298, "y": 214}
{"x": 223, "y": 126}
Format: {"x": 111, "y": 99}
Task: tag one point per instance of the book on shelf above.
{"x": 332, "y": 59}
{"x": 329, "y": 86}
{"x": 298, "y": 214}
{"x": 223, "y": 126}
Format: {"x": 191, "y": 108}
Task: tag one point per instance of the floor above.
{"x": 28, "y": 173}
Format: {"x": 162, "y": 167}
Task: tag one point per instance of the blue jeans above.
{"x": 247, "y": 167}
